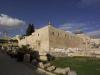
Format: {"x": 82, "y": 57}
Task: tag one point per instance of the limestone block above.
{"x": 47, "y": 65}
{"x": 43, "y": 58}
{"x": 42, "y": 53}
{"x": 67, "y": 69}
{"x": 72, "y": 73}
{"x": 51, "y": 68}
{"x": 41, "y": 65}
{"x": 62, "y": 71}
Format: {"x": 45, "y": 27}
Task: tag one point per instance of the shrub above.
{"x": 50, "y": 57}
{"x": 22, "y": 51}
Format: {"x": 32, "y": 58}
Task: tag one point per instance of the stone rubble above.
{"x": 56, "y": 70}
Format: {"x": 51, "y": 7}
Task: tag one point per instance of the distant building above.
{"x": 8, "y": 43}
{"x": 95, "y": 43}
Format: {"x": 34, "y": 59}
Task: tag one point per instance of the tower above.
{"x": 49, "y": 23}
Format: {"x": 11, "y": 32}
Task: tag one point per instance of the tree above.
{"x": 30, "y": 29}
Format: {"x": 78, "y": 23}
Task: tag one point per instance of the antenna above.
{"x": 49, "y": 23}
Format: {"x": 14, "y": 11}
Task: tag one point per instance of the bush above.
{"x": 21, "y": 52}
{"x": 26, "y": 50}
{"x": 34, "y": 55}
{"x": 50, "y": 57}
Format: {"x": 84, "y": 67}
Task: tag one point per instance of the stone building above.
{"x": 8, "y": 43}
{"x": 49, "y": 37}
{"x": 86, "y": 40}
{"x": 95, "y": 43}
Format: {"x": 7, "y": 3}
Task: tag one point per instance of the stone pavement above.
{"x": 10, "y": 66}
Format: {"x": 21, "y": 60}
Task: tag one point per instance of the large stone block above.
{"x": 72, "y": 73}
{"x": 51, "y": 68}
{"x": 41, "y": 65}
{"x": 47, "y": 65}
{"x": 62, "y": 71}
{"x": 43, "y": 58}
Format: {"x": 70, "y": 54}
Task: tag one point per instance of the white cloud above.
{"x": 64, "y": 27}
{"x": 95, "y": 33}
{"x": 8, "y": 21}
{"x": 71, "y": 26}
{"x": 85, "y": 27}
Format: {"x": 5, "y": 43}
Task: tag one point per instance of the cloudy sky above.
{"x": 70, "y": 15}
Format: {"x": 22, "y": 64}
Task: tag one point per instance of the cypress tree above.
{"x": 30, "y": 29}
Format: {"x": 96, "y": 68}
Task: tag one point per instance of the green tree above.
{"x": 30, "y": 29}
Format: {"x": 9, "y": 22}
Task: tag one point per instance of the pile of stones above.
{"x": 56, "y": 70}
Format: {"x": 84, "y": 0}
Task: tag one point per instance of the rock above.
{"x": 51, "y": 68}
{"x": 62, "y": 71}
{"x": 43, "y": 58}
{"x": 41, "y": 53}
{"x": 72, "y": 73}
{"x": 47, "y": 65}
{"x": 41, "y": 65}
{"x": 67, "y": 69}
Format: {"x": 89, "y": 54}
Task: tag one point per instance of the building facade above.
{"x": 49, "y": 38}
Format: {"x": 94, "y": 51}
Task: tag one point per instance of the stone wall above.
{"x": 50, "y": 37}
{"x": 61, "y": 39}
{"x": 39, "y": 40}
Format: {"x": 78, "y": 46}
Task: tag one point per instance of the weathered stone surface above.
{"x": 43, "y": 58}
{"x": 51, "y": 68}
{"x": 62, "y": 71}
{"x": 67, "y": 69}
{"x": 47, "y": 65}
{"x": 46, "y": 38}
{"x": 72, "y": 73}
{"x": 46, "y": 72}
{"x": 41, "y": 65}
{"x": 42, "y": 53}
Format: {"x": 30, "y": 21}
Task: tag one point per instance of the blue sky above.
{"x": 15, "y": 15}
